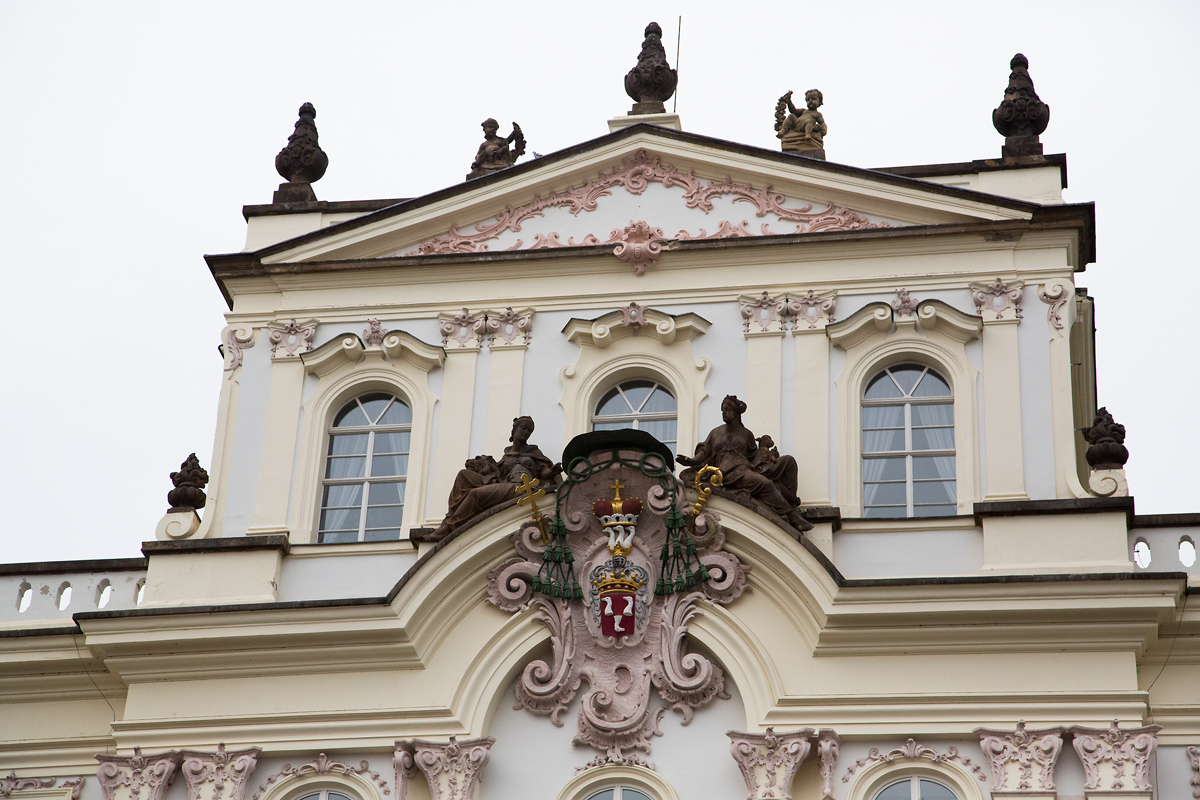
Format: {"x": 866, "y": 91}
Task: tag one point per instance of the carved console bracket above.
{"x": 294, "y": 337}
{"x": 912, "y": 751}
{"x": 234, "y": 340}
{"x": 451, "y": 768}
{"x": 323, "y": 765}
{"x": 11, "y": 783}
{"x": 828, "y": 746}
{"x": 1106, "y": 754}
{"x": 219, "y": 775}
{"x": 1013, "y": 754}
{"x": 769, "y": 761}
{"x": 136, "y": 777}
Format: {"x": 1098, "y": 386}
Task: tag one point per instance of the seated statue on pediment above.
{"x": 494, "y": 154}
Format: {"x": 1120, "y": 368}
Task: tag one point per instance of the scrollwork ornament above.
{"x": 374, "y": 333}
{"x": 1055, "y": 295}
{"x": 508, "y": 325}
{"x": 998, "y": 297}
{"x": 292, "y": 336}
{"x": 633, "y": 316}
{"x": 829, "y": 744}
{"x": 910, "y": 751}
{"x": 904, "y": 305}
{"x": 462, "y": 327}
{"x": 1131, "y": 748}
{"x": 451, "y": 769}
{"x": 146, "y": 777}
{"x": 234, "y": 340}
{"x": 1025, "y": 747}
{"x": 768, "y": 761}
{"x": 11, "y": 783}
{"x": 639, "y": 245}
{"x": 809, "y": 308}
{"x": 762, "y": 310}
{"x": 219, "y": 767}
{"x": 1193, "y": 754}
{"x": 324, "y": 765}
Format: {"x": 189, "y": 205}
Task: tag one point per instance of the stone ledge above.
{"x": 268, "y": 542}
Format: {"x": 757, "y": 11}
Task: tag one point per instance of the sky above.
{"x": 135, "y": 132}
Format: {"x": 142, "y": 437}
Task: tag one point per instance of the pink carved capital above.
{"x": 998, "y": 297}
{"x": 769, "y": 761}
{"x": 829, "y": 744}
{"x": 292, "y": 336}
{"x": 136, "y": 777}
{"x": 462, "y": 328}
{"x": 1013, "y": 754}
{"x": 1106, "y": 754}
{"x": 451, "y": 768}
{"x": 809, "y": 308}
{"x": 226, "y": 770}
{"x": 763, "y": 310}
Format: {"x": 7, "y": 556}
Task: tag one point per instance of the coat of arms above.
{"x": 616, "y": 574}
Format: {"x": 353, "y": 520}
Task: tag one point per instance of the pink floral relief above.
{"x": 640, "y": 243}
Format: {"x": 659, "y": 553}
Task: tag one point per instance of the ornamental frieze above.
{"x": 616, "y": 573}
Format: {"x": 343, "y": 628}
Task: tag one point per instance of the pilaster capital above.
{"x": 998, "y": 301}
{"x": 1106, "y": 754}
{"x": 451, "y": 768}
{"x": 218, "y": 775}
{"x": 136, "y": 777}
{"x": 769, "y": 761}
{"x": 1013, "y": 754}
{"x": 289, "y": 339}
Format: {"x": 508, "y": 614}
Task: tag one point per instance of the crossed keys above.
{"x": 529, "y": 494}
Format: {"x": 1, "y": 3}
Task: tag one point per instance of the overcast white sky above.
{"x": 135, "y": 132}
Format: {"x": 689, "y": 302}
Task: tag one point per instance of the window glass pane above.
{"x": 940, "y": 467}
{"x": 881, "y": 441}
{"x": 351, "y": 467}
{"x": 310, "y": 796}
{"x": 340, "y": 537}
{"x": 374, "y": 404}
{"x": 932, "y": 385}
{"x": 337, "y": 796}
{"x": 926, "y": 492}
{"x": 935, "y": 511}
{"x": 885, "y": 512}
{"x": 883, "y": 469}
{"x": 884, "y": 494}
{"x": 660, "y": 402}
{"x": 611, "y": 426}
{"x": 632, "y": 794}
{"x": 938, "y": 414}
{"x": 607, "y": 794}
{"x": 932, "y": 438}
{"x": 392, "y": 442}
{"x": 397, "y": 414}
{"x": 636, "y": 392}
{"x": 907, "y": 376}
{"x": 882, "y": 388}
{"x": 612, "y": 403}
{"x": 347, "y": 445}
{"x": 384, "y": 517}
{"x": 383, "y": 494}
{"x": 883, "y": 416}
{"x": 382, "y": 535}
{"x": 343, "y": 496}
{"x": 661, "y": 429}
{"x": 389, "y": 465}
{"x": 935, "y": 791}
{"x": 350, "y": 415}
{"x": 897, "y": 791}
{"x": 340, "y": 519}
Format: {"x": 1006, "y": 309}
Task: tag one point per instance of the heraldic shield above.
{"x": 627, "y": 559}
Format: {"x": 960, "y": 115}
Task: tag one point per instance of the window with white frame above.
{"x": 366, "y": 463}
{"x": 915, "y": 789}
{"x": 908, "y": 465}
{"x": 643, "y": 405}
{"x": 619, "y": 793}
{"x": 326, "y": 794}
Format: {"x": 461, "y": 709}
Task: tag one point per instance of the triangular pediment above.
{"x": 666, "y": 185}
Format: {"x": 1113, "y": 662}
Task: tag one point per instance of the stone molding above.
{"x": 762, "y": 310}
{"x": 321, "y": 765}
{"x": 136, "y": 777}
{"x": 11, "y": 783}
{"x": 768, "y": 761}
{"x": 235, "y": 339}
{"x": 294, "y": 337}
{"x": 226, "y": 771}
{"x": 451, "y": 768}
{"x": 911, "y": 751}
{"x": 615, "y": 325}
{"x": 1013, "y": 754}
{"x": 1107, "y": 753}
{"x": 1000, "y": 298}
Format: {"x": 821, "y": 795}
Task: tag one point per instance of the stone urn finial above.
{"x": 652, "y": 81}
{"x": 190, "y": 481}
{"x": 1022, "y": 116}
{"x": 1107, "y": 440}
{"x": 302, "y": 161}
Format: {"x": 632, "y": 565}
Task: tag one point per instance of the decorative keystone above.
{"x": 302, "y": 162}
{"x": 1022, "y": 116}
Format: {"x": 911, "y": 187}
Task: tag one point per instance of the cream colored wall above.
{"x": 1036, "y": 184}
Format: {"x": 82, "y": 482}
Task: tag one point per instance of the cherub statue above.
{"x": 802, "y": 130}
{"x": 493, "y": 154}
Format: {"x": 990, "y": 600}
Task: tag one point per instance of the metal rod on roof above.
{"x": 678, "y": 34}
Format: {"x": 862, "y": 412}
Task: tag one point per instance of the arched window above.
{"x": 326, "y": 794}
{"x": 620, "y": 793}
{"x": 915, "y": 789}
{"x": 642, "y": 405}
{"x": 366, "y": 462}
{"x": 908, "y": 444}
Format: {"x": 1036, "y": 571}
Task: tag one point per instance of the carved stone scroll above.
{"x": 11, "y": 783}
{"x": 292, "y": 336}
{"x": 1056, "y": 296}
{"x": 828, "y": 746}
{"x": 769, "y": 761}
{"x": 464, "y": 328}
{"x": 233, "y": 342}
{"x": 1013, "y": 754}
{"x": 811, "y": 309}
{"x": 762, "y": 310}
{"x": 633, "y": 316}
{"x": 1000, "y": 298}
{"x": 912, "y": 750}
{"x": 452, "y": 769}
{"x": 136, "y": 777}
{"x": 1106, "y": 754}
{"x": 323, "y": 765}
{"x": 639, "y": 245}
{"x": 509, "y": 327}
{"x": 219, "y": 775}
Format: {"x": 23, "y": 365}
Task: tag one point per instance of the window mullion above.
{"x": 366, "y": 501}
{"x": 908, "y": 460}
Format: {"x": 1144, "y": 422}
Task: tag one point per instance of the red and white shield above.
{"x": 617, "y": 613}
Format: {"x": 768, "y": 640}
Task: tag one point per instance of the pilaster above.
{"x": 810, "y": 314}
{"x": 999, "y": 304}
{"x": 1059, "y": 295}
{"x": 763, "y": 326}
{"x": 508, "y": 335}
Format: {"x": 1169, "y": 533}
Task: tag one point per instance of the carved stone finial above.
{"x": 802, "y": 132}
{"x": 302, "y": 161}
{"x": 1022, "y": 116}
{"x": 652, "y": 81}
{"x": 1107, "y": 440}
{"x": 189, "y": 485}
{"x": 494, "y": 154}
